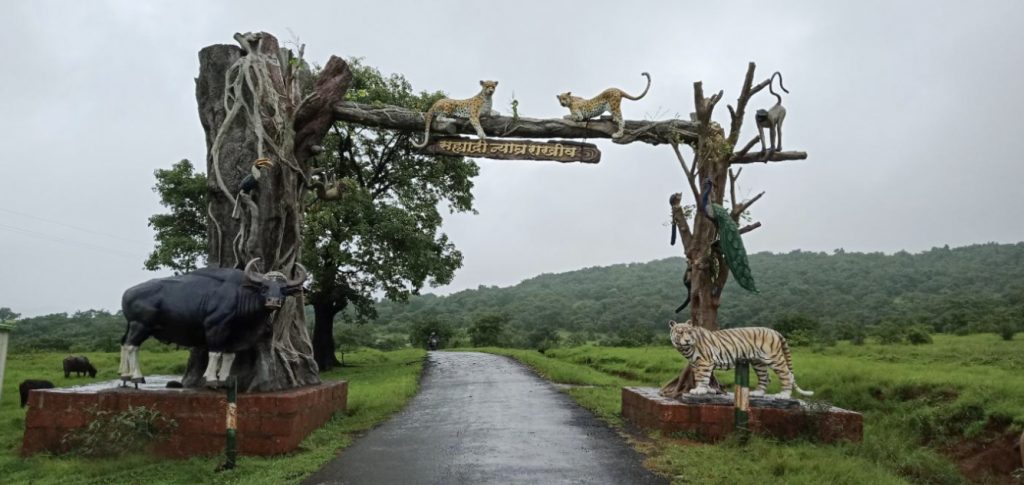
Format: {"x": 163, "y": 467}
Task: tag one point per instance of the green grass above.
{"x": 915, "y": 400}
{"x": 380, "y": 383}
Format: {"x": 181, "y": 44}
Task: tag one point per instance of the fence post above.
{"x": 5, "y": 330}
{"x": 742, "y": 418}
{"x": 231, "y": 451}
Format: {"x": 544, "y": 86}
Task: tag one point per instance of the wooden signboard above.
{"x": 503, "y": 149}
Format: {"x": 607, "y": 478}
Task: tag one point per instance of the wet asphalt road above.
{"x": 483, "y": 419}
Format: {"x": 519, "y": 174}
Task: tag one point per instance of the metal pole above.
{"x": 4, "y": 331}
{"x": 231, "y": 425}
{"x": 742, "y": 419}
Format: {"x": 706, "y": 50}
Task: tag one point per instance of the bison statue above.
{"x": 221, "y": 310}
{"x": 30, "y": 384}
{"x": 79, "y": 364}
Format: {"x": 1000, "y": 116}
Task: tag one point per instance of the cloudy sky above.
{"x": 910, "y": 115}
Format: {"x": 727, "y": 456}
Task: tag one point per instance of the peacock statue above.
{"x": 729, "y": 238}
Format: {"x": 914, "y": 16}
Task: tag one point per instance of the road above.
{"x": 482, "y": 419}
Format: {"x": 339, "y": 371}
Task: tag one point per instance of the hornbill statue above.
{"x": 252, "y": 181}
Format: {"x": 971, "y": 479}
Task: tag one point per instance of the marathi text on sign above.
{"x": 561, "y": 151}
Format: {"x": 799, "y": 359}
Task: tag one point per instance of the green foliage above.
{"x": 488, "y": 330}
{"x": 1007, "y": 330}
{"x": 181, "y": 234}
{"x": 380, "y": 384}
{"x": 890, "y": 333}
{"x": 8, "y": 314}
{"x": 542, "y": 339}
{"x": 383, "y": 236}
{"x": 110, "y": 433}
{"x": 798, "y": 329}
{"x": 962, "y": 290}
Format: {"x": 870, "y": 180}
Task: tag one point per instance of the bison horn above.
{"x": 300, "y": 278}
{"x": 251, "y": 274}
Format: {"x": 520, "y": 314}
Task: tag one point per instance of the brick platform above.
{"x": 711, "y": 417}
{"x": 268, "y": 423}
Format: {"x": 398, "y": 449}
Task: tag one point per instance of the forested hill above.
{"x": 977, "y": 286}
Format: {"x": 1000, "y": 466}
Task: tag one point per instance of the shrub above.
{"x": 110, "y": 433}
{"x": 918, "y": 335}
{"x": 890, "y": 333}
{"x": 1007, "y": 330}
{"x": 488, "y": 330}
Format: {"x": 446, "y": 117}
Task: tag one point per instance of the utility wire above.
{"x": 77, "y": 244}
{"x": 90, "y": 231}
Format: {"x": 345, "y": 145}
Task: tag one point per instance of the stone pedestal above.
{"x": 711, "y": 417}
{"x": 269, "y": 423}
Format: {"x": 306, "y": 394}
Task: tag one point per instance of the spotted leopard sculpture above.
{"x": 610, "y": 101}
{"x": 472, "y": 108}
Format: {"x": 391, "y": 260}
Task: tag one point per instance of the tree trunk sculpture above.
{"x": 251, "y": 108}
{"x": 713, "y": 158}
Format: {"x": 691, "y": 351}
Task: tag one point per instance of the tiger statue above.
{"x": 707, "y": 350}
{"x": 472, "y": 108}
{"x": 610, "y": 100}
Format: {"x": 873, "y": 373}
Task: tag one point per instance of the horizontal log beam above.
{"x": 396, "y": 118}
{"x": 772, "y": 157}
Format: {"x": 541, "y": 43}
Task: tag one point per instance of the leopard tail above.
{"x": 634, "y": 98}
{"x": 429, "y": 117}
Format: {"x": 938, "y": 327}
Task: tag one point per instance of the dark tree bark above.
{"x": 323, "y": 335}
{"x": 250, "y": 108}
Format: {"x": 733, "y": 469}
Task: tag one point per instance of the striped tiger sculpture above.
{"x": 763, "y": 347}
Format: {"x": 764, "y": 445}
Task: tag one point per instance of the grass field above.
{"x": 380, "y": 383}
{"x": 916, "y": 400}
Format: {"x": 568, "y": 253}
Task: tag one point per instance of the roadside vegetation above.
{"x": 380, "y": 383}
{"x": 925, "y": 408}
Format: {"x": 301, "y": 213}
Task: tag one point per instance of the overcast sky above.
{"x": 911, "y": 113}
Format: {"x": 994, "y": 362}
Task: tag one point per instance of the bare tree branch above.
{"x": 732, "y": 186}
{"x": 689, "y": 173}
{"x": 768, "y": 157}
{"x": 741, "y": 208}
{"x": 749, "y": 227}
{"x": 746, "y": 148}
{"x": 741, "y": 105}
{"x": 679, "y": 219}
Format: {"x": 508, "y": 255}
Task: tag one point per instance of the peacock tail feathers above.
{"x": 732, "y": 248}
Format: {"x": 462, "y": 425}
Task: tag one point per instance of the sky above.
{"x": 908, "y": 113}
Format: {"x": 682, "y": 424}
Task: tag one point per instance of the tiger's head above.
{"x": 565, "y": 99}
{"x": 683, "y": 335}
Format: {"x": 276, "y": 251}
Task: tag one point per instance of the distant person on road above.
{"x": 433, "y": 341}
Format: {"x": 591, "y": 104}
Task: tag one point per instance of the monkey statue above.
{"x": 772, "y": 118}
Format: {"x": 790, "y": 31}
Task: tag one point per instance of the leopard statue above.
{"x": 708, "y": 350}
{"x": 610, "y": 100}
{"x": 472, "y": 108}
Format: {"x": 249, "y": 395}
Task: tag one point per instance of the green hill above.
{"x": 972, "y": 288}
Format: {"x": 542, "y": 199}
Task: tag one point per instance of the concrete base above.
{"x": 711, "y": 417}
{"x": 268, "y": 423}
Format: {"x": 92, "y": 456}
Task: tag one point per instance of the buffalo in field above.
{"x": 79, "y": 364}
{"x": 28, "y": 385}
{"x": 221, "y": 310}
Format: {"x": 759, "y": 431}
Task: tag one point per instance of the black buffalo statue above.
{"x": 28, "y": 385}
{"x": 79, "y": 364}
{"x": 222, "y": 310}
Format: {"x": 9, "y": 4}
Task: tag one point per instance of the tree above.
{"x": 488, "y": 330}
{"x": 382, "y": 234}
{"x": 377, "y": 233}
{"x": 181, "y": 234}
{"x": 8, "y": 314}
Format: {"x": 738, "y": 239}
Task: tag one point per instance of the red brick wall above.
{"x": 645, "y": 409}
{"x": 268, "y": 423}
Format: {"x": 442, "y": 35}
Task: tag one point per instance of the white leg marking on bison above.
{"x": 124, "y": 371}
{"x": 213, "y": 362}
{"x": 225, "y": 366}
{"x": 136, "y": 368}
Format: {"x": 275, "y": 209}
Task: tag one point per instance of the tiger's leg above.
{"x": 702, "y": 377}
{"x": 785, "y": 379}
{"x": 763, "y": 378}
